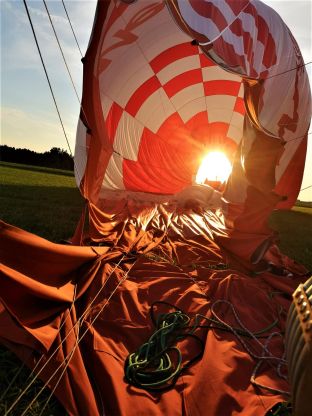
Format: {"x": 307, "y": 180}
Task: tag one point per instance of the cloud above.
{"x": 43, "y": 14}
{"x": 39, "y": 129}
{"x": 19, "y": 51}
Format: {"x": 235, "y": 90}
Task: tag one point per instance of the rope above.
{"x": 77, "y": 323}
{"x": 67, "y": 68}
{"x": 266, "y": 354}
{"x": 225, "y": 29}
{"x": 71, "y": 353}
{"x": 243, "y": 331}
{"x": 288, "y": 70}
{"x": 47, "y": 76}
{"x": 157, "y": 364}
{"x": 32, "y": 374}
{"x": 19, "y": 371}
{"x": 307, "y": 187}
{"x": 72, "y": 28}
{"x": 51, "y": 89}
{"x": 251, "y": 334}
{"x": 55, "y": 386}
{"x": 296, "y": 138}
{"x": 64, "y": 59}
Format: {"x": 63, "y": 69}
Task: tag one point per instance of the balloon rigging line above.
{"x": 296, "y": 138}
{"x": 69, "y": 73}
{"x": 288, "y": 70}
{"x": 264, "y": 347}
{"x": 266, "y": 355}
{"x": 79, "y": 320}
{"x": 78, "y": 340}
{"x": 50, "y": 87}
{"x": 59, "y": 346}
{"x": 46, "y": 73}
{"x": 61, "y": 50}
{"x": 71, "y": 353}
{"x": 307, "y": 187}
{"x": 69, "y": 21}
{"x": 270, "y": 356}
{"x": 13, "y": 380}
{"x": 59, "y": 331}
{"x": 69, "y": 332}
{"x": 64, "y": 59}
{"x": 42, "y": 356}
{"x": 226, "y": 28}
{"x": 125, "y": 276}
{"x": 251, "y": 353}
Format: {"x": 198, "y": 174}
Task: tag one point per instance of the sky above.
{"x": 28, "y": 115}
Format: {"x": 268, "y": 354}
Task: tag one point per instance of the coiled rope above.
{"x": 158, "y": 362}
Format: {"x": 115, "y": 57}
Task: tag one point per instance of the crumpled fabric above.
{"x": 47, "y": 288}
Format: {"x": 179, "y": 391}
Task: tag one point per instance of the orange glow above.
{"x": 214, "y": 167}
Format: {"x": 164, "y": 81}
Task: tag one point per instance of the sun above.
{"x": 214, "y": 167}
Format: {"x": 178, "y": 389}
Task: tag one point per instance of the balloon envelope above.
{"x": 166, "y": 82}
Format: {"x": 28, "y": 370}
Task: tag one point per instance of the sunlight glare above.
{"x": 214, "y": 167}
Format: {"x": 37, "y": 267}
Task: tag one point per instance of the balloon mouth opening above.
{"x": 214, "y": 170}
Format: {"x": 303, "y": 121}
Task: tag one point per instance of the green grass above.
{"x": 295, "y": 233}
{"x": 47, "y": 202}
{"x": 43, "y": 169}
{"x": 11, "y": 369}
{"x": 42, "y": 201}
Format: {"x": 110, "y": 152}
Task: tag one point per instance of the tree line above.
{"x": 55, "y": 158}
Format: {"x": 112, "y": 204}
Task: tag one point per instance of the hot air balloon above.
{"x": 176, "y": 302}
{"x": 193, "y": 79}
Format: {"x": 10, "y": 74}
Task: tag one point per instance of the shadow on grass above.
{"x": 14, "y": 377}
{"x": 41, "y": 169}
{"x": 50, "y": 212}
{"x": 295, "y": 234}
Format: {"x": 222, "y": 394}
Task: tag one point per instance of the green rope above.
{"x": 157, "y": 363}
{"x": 280, "y": 409}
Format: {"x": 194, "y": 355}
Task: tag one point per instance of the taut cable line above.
{"x": 307, "y": 187}
{"x": 59, "y": 330}
{"x": 50, "y": 87}
{"x": 77, "y": 323}
{"x": 64, "y": 59}
{"x": 288, "y": 70}
{"x": 72, "y": 29}
{"x": 125, "y": 276}
{"x": 78, "y": 340}
{"x": 47, "y": 76}
{"x": 41, "y": 358}
{"x": 18, "y": 372}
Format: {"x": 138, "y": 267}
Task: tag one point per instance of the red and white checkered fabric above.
{"x": 156, "y": 104}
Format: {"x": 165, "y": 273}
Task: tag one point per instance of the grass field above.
{"x": 46, "y": 202}
{"x": 295, "y": 233}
